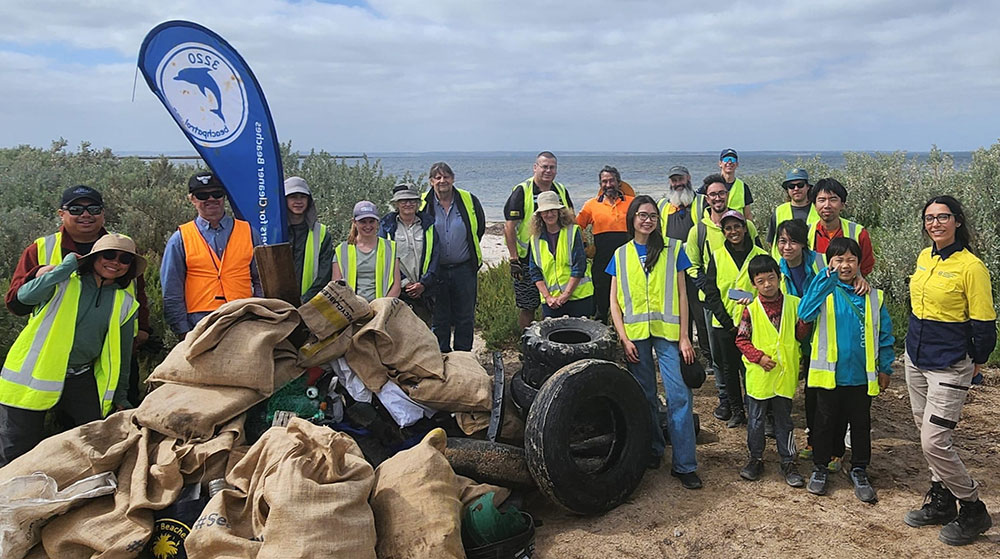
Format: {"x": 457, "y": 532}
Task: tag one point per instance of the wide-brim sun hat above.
{"x": 549, "y": 200}
{"x": 404, "y": 191}
{"x": 115, "y": 241}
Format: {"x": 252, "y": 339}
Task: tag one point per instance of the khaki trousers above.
{"x": 936, "y": 398}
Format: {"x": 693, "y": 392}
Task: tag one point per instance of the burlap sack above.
{"x": 416, "y": 504}
{"x": 317, "y": 353}
{"x": 466, "y": 386}
{"x": 469, "y": 490}
{"x": 179, "y": 409}
{"x": 333, "y": 308}
{"x": 151, "y": 471}
{"x": 472, "y": 422}
{"x": 300, "y": 491}
{"x": 395, "y": 339}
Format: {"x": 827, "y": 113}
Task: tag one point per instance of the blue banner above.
{"x": 214, "y": 97}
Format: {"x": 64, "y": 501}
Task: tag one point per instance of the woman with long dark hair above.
{"x": 649, "y": 309}
{"x": 952, "y": 332}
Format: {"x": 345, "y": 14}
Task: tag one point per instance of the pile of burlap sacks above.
{"x": 299, "y": 491}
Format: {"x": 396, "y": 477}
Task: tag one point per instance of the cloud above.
{"x": 387, "y": 75}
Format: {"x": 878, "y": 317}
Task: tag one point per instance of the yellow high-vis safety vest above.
{"x": 728, "y": 276}
{"x": 524, "y": 227}
{"x": 470, "y": 210}
{"x": 557, "y": 269}
{"x": 35, "y": 368}
{"x": 823, "y": 361}
{"x": 784, "y": 213}
{"x": 310, "y": 262}
{"x": 780, "y": 345}
{"x": 650, "y": 302}
{"x": 385, "y": 265}
{"x": 737, "y": 197}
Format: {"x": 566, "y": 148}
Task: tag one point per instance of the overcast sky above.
{"x": 472, "y": 75}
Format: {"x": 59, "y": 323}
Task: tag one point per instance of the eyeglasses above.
{"x": 643, "y": 216}
{"x": 407, "y": 202}
{"x": 940, "y": 218}
{"x": 122, "y": 256}
{"x": 722, "y": 194}
{"x": 95, "y": 209}
{"x": 217, "y": 194}
{"x": 729, "y": 159}
{"x": 795, "y": 185}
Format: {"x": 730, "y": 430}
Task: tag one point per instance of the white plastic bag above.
{"x": 28, "y": 502}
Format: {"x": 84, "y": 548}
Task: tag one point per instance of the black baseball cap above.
{"x": 678, "y": 170}
{"x": 204, "y": 180}
{"x": 727, "y": 153}
{"x": 77, "y": 192}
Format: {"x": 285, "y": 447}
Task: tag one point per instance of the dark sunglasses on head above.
{"x": 123, "y": 257}
{"x": 77, "y": 209}
{"x": 217, "y": 194}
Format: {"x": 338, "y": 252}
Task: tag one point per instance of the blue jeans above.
{"x": 680, "y": 403}
{"x": 455, "y": 305}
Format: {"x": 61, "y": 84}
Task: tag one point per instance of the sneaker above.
{"x": 792, "y": 476}
{"x": 817, "y": 481}
{"x": 973, "y": 519}
{"x": 863, "y": 489}
{"x": 689, "y": 480}
{"x": 722, "y": 411}
{"x": 834, "y": 465}
{"x": 806, "y": 453}
{"x": 753, "y": 470}
{"x": 739, "y": 418}
{"x": 939, "y": 508}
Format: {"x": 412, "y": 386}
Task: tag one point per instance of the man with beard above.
{"x": 677, "y": 211}
{"x": 606, "y": 213}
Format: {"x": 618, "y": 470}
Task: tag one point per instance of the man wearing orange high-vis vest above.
{"x": 208, "y": 261}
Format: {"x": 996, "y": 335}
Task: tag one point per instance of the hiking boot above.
{"x": 863, "y": 489}
{"x": 753, "y": 470}
{"x": 689, "y": 480}
{"x": 792, "y": 475}
{"x": 722, "y": 411}
{"x": 806, "y": 453}
{"x": 972, "y": 520}
{"x": 739, "y": 418}
{"x": 834, "y": 465}
{"x": 939, "y": 508}
{"x": 817, "y": 481}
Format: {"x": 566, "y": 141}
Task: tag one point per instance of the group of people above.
{"x": 658, "y": 270}
{"x": 766, "y": 315}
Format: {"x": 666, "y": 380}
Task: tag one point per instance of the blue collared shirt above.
{"x": 173, "y": 272}
{"x": 452, "y": 232}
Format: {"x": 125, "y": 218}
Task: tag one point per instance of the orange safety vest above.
{"x": 212, "y": 282}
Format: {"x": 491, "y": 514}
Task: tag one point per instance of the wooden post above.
{"x": 277, "y": 272}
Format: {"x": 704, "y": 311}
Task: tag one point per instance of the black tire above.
{"x": 553, "y": 343}
{"x": 569, "y": 451}
{"x": 486, "y": 462}
{"x": 522, "y": 394}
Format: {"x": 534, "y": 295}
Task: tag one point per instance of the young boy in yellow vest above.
{"x": 851, "y": 360}
{"x": 768, "y": 337}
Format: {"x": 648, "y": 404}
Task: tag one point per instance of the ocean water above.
{"x": 492, "y": 175}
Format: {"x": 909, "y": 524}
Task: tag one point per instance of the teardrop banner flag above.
{"x": 214, "y": 97}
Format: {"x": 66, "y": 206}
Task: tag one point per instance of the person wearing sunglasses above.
{"x": 312, "y": 248}
{"x": 797, "y": 206}
{"x": 951, "y": 333}
{"x": 208, "y": 261}
{"x": 740, "y": 196}
{"x": 81, "y": 213}
{"x": 418, "y": 248}
{"x": 72, "y": 355}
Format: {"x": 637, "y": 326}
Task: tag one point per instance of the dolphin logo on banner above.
{"x": 196, "y": 74}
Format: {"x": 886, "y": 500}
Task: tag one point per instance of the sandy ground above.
{"x": 731, "y": 517}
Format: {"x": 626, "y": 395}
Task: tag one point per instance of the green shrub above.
{"x": 496, "y": 314}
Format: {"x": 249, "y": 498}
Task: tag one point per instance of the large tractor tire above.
{"x": 588, "y": 436}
